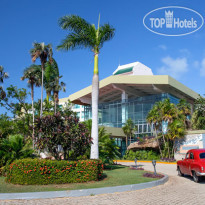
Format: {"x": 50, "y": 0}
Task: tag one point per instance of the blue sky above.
{"x": 23, "y": 22}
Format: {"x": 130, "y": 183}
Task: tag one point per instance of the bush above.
{"x": 2, "y": 171}
{"x": 141, "y": 155}
{"x": 41, "y": 171}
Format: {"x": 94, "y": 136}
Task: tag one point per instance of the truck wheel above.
{"x": 196, "y": 178}
{"x": 179, "y": 172}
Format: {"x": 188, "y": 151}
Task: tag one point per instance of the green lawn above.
{"x": 119, "y": 175}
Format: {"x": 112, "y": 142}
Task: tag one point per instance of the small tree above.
{"x": 129, "y": 128}
{"x": 62, "y": 131}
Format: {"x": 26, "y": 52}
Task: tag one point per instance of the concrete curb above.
{"x": 145, "y": 161}
{"x": 82, "y": 192}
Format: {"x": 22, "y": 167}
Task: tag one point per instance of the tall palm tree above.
{"x": 44, "y": 52}
{"x": 154, "y": 118}
{"x": 85, "y": 35}
{"x": 33, "y": 74}
{"x": 52, "y": 81}
{"x": 184, "y": 112}
{"x": 3, "y": 75}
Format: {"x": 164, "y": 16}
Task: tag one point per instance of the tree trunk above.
{"x": 160, "y": 151}
{"x": 55, "y": 101}
{"x": 126, "y": 141}
{"x": 32, "y": 94}
{"x": 42, "y": 68}
{"x": 94, "y": 152}
{"x": 48, "y": 94}
{"x": 168, "y": 148}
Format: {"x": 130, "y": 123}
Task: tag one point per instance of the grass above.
{"x": 117, "y": 175}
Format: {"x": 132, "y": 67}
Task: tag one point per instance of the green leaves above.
{"x": 42, "y": 51}
{"x": 83, "y": 34}
{"x": 57, "y": 130}
{"x": 13, "y": 148}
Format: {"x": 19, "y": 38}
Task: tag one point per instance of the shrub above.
{"x": 41, "y": 171}
{"x": 141, "y": 155}
{"x": 54, "y": 130}
{"x": 2, "y": 171}
{"x": 14, "y": 148}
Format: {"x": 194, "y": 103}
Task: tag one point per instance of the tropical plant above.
{"x": 44, "y": 52}
{"x": 85, "y": 35}
{"x": 16, "y": 102}
{"x": 174, "y": 115}
{"x": 52, "y": 82}
{"x": 61, "y": 131}
{"x": 154, "y": 118}
{"x": 108, "y": 150}
{"x": 13, "y": 148}
{"x": 33, "y": 74}
{"x": 129, "y": 128}
{"x": 198, "y": 117}
{"x": 6, "y": 126}
{"x": 3, "y": 75}
{"x": 185, "y": 112}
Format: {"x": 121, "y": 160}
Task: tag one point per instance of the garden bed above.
{"x": 116, "y": 176}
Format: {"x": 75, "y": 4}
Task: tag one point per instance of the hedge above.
{"x": 41, "y": 171}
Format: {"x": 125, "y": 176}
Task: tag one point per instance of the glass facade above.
{"x": 115, "y": 114}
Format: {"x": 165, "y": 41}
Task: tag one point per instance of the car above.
{"x": 193, "y": 164}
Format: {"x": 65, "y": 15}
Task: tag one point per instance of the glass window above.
{"x": 76, "y": 106}
{"x": 78, "y": 114}
{"x": 191, "y": 155}
{"x": 202, "y": 155}
{"x": 187, "y": 156}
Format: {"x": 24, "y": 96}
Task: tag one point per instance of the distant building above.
{"x": 130, "y": 92}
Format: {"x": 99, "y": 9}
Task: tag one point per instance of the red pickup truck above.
{"x": 193, "y": 164}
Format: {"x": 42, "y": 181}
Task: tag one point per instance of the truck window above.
{"x": 202, "y": 155}
{"x": 187, "y": 156}
{"x": 191, "y": 155}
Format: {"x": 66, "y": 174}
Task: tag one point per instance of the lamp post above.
{"x": 154, "y": 165}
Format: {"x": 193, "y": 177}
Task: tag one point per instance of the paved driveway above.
{"x": 178, "y": 190}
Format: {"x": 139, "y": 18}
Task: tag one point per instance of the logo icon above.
{"x": 169, "y": 18}
{"x": 173, "y": 21}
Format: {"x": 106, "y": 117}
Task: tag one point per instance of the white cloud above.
{"x": 202, "y": 68}
{"x": 185, "y": 52}
{"x": 173, "y": 67}
{"x": 163, "y": 47}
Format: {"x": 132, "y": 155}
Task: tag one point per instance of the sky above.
{"x": 23, "y": 22}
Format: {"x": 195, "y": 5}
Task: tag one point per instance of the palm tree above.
{"x": 52, "y": 81}
{"x": 129, "y": 129}
{"x": 184, "y": 112}
{"x": 85, "y": 35}
{"x": 153, "y": 118}
{"x": 33, "y": 74}
{"x": 44, "y": 52}
{"x": 3, "y": 75}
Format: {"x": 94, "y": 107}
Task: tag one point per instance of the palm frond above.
{"x": 74, "y": 23}
{"x": 106, "y": 33}
{"x": 74, "y": 41}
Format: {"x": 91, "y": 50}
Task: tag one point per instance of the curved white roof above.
{"x": 135, "y": 68}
